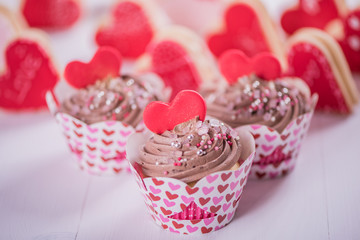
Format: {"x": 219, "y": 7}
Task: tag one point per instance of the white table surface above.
{"x": 43, "y": 195}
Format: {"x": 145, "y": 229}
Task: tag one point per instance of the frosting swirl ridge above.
{"x": 122, "y": 98}
{"x": 191, "y": 151}
{"x": 255, "y": 101}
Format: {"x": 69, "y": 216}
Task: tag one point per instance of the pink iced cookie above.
{"x": 313, "y": 13}
{"x": 51, "y": 14}
{"x": 247, "y": 27}
{"x": 29, "y": 74}
{"x": 131, "y": 27}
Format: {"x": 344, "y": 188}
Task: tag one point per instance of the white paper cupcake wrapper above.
{"x": 218, "y": 193}
{"x": 276, "y": 153}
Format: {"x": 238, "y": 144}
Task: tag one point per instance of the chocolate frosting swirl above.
{"x": 255, "y": 101}
{"x": 191, "y": 151}
{"x": 122, "y": 98}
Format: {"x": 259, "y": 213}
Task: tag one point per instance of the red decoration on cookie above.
{"x": 242, "y": 31}
{"x": 350, "y": 44}
{"x": 234, "y": 64}
{"x": 28, "y": 76}
{"x": 174, "y": 65}
{"x": 309, "y": 63}
{"x": 159, "y": 116}
{"x": 106, "y": 62}
{"x": 129, "y": 30}
{"x": 55, "y": 14}
{"x": 310, "y": 13}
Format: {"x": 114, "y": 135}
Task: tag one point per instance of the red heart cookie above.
{"x": 247, "y": 28}
{"x": 105, "y": 63}
{"x": 311, "y": 13}
{"x": 234, "y": 64}
{"x": 129, "y": 30}
{"x": 29, "y": 75}
{"x": 159, "y": 116}
{"x": 350, "y": 44}
{"x": 53, "y": 14}
{"x": 174, "y": 65}
{"x": 316, "y": 58}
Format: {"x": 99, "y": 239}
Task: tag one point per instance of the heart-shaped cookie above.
{"x": 159, "y": 116}
{"x": 10, "y": 26}
{"x": 105, "y": 63}
{"x": 180, "y": 65}
{"x": 51, "y": 14}
{"x": 247, "y": 27}
{"x": 235, "y": 64}
{"x": 29, "y": 75}
{"x": 172, "y": 63}
{"x": 129, "y": 30}
{"x": 350, "y": 43}
{"x": 316, "y": 57}
{"x": 312, "y": 13}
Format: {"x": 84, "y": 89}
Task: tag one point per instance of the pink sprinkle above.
{"x": 179, "y": 158}
{"x": 212, "y": 139}
{"x": 205, "y": 147}
{"x": 224, "y": 138}
{"x": 216, "y": 148}
{"x": 209, "y": 142}
{"x": 113, "y": 116}
{"x": 166, "y": 173}
{"x": 120, "y": 98}
{"x": 198, "y": 145}
{"x": 187, "y": 145}
{"x": 126, "y": 114}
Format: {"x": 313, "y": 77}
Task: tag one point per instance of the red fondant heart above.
{"x": 159, "y": 116}
{"x": 129, "y": 30}
{"x": 242, "y": 31}
{"x": 234, "y": 64}
{"x": 314, "y": 13}
{"x": 174, "y": 65}
{"x": 55, "y": 14}
{"x": 106, "y": 62}
{"x": 29, "y": 75}
{"x": 350, "y": 44}
{"x": 309, "y": 63}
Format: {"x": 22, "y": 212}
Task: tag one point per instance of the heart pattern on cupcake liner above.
{"x": 207, "y": 206}
{"x": 276, "y": 153}
{"x": 217, "y": 194}
{"x": 98, "y": 148}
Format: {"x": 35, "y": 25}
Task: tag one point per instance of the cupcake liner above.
{"x": 207, "y": 206}
{"x": 276, "y": 153}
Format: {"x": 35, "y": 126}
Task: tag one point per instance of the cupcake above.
{"x": 270, "y": 106}
{"x": 104, "y": 110}
{"x": 191, "y": 170}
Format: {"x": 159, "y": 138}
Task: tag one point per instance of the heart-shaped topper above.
{"x": 234, "y": 64}
{"x": 105, "y": 63}
{"x": 160, "y": 116}
{"x": 313, "y": 13}
{"x": 52, "y": 14}
{"x": 29, "y": 74}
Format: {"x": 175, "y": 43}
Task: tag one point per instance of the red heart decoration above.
{"x": 55, "y": 14}
{"x": 174, "y": 65}
{"x": 106, "y": 62}
{"x": 234, "y": 64}
{"x": 129, "y": 31}
{"x": 314, "y": 13}
{"x": 350, "y": 44}
{"x": 242, "y": 31}
{"x": 309, "y": 63}
{"x": 29, "y": 75}
{"x": 159, "y": 116}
